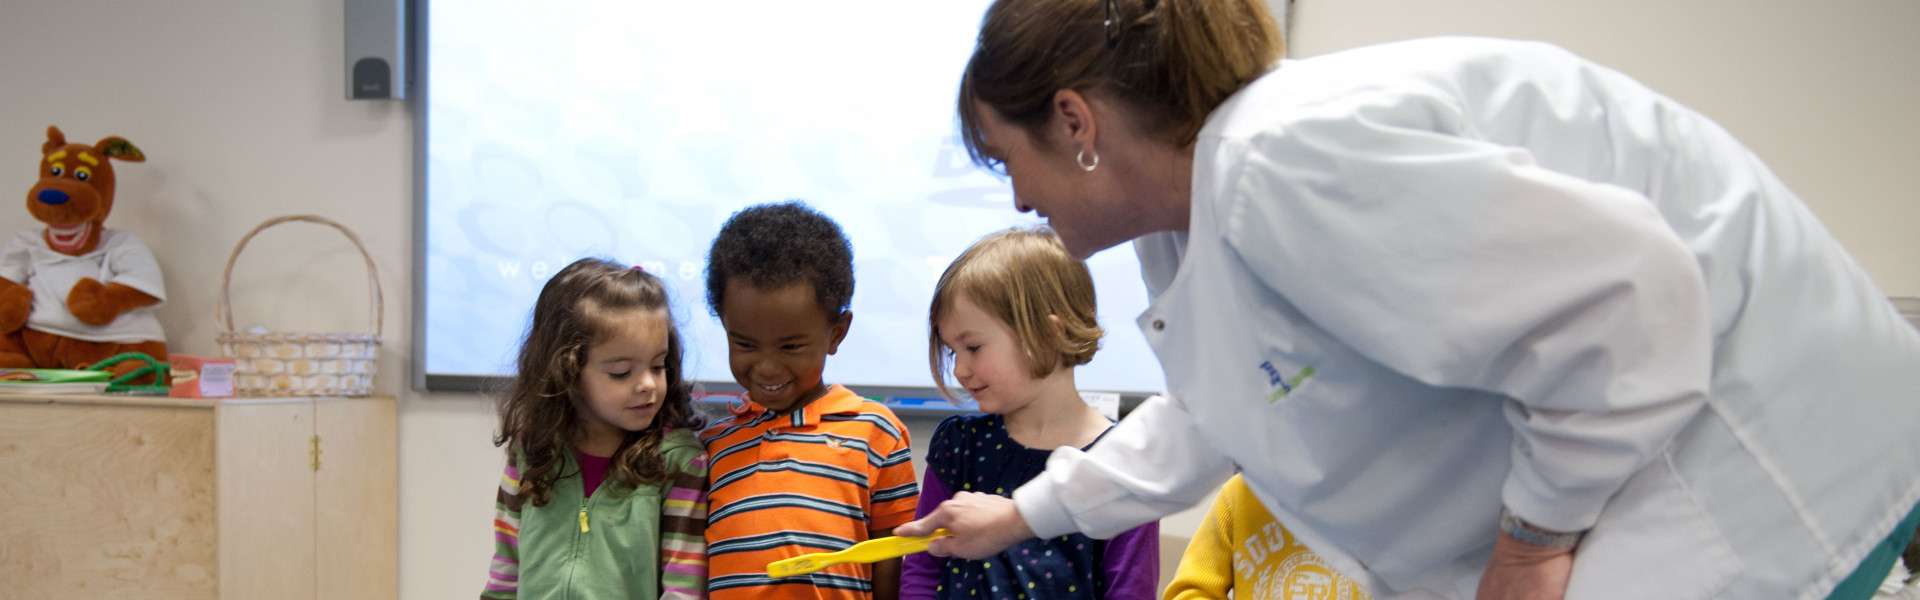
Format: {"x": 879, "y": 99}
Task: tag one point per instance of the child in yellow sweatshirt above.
{"x": 1240, "y": 551}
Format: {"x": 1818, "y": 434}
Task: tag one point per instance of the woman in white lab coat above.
{"x": 1472, "y": 316}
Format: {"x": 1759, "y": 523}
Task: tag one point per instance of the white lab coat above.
{"x": 1426, "y": 279}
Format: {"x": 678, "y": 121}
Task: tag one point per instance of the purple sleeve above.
{"x": 1132, "y": 563}
{"x": 920, "y": 572}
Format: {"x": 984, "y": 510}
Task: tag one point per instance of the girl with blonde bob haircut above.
{"x": 1024, "y": 278}
{"x": 1010, "y": 319}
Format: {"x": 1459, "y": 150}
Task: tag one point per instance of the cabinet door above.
{"x": 105, "y": 501}
{"x": 265, "y": 469}
{"x": 357, "y": 496}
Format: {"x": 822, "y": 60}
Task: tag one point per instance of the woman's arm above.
{"x": 1154, "y": 463}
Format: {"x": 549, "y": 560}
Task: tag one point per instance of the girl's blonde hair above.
{"x": 1172, "y": 61}
{"x": 537, "y": 416}
{"x": 1025, "y": 278}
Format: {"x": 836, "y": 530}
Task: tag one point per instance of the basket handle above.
{"x": 224, "y": 311}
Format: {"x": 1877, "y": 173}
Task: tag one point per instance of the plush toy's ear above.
{"x": 118, "y": 148}
{"x": 55, "y": 139}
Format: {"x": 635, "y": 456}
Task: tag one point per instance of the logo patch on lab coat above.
{"x": 1280, "y": 383}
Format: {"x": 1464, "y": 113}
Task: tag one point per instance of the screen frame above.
{"x": 420, "y": 76}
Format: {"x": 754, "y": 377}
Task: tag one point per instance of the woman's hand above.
{"x": 978, "y": 526}
{"x": 1522, "y": 571}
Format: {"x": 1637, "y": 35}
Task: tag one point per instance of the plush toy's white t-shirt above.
{"x": 120, "y": 258}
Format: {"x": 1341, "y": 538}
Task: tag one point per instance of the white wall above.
{"x": 239, "y": 108}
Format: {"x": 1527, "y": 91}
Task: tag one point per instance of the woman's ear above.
{"x": 1073, "y": 118}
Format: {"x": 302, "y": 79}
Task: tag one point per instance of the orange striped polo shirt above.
{"x": 818, "y": 479}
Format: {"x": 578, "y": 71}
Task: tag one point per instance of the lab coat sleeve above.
{"x": 1461, "y": 263}
{"x": 1154, "y": 463}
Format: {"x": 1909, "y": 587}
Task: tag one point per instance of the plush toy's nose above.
{"x": 53, "y": 196}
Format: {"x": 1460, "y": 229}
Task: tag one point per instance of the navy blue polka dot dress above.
{"x": 975, "y": 454}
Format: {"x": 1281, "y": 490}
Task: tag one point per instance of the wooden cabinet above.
{"x": 286, "y": 498}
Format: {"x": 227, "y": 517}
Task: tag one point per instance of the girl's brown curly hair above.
{"x": 537, "y": 417}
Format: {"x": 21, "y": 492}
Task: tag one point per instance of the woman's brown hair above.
{"x": 1025, "y": 278}
{"x": 1171, "y": 61}
{"x": 538, "y": 422}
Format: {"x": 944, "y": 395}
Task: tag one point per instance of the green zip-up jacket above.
{"x": 619, "y": 543}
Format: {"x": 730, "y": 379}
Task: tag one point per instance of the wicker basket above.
{"x": 301, "y": 364}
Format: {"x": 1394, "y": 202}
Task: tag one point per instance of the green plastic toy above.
{"x": 120, "y": 385}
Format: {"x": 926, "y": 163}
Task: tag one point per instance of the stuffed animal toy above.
{"x": 74, "y": 292}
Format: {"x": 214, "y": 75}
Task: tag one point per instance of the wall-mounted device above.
{"x": 376, "y": 49}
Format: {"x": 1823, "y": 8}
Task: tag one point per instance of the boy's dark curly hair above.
{"x": 778, "y": 244}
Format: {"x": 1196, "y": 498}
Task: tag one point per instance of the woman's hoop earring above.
{"x": 1081, "y": 159}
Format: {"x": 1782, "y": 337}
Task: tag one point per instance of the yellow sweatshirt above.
{"x": 1242, "y": 549}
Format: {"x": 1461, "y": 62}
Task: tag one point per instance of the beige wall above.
{"x": 238, "y": 107}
